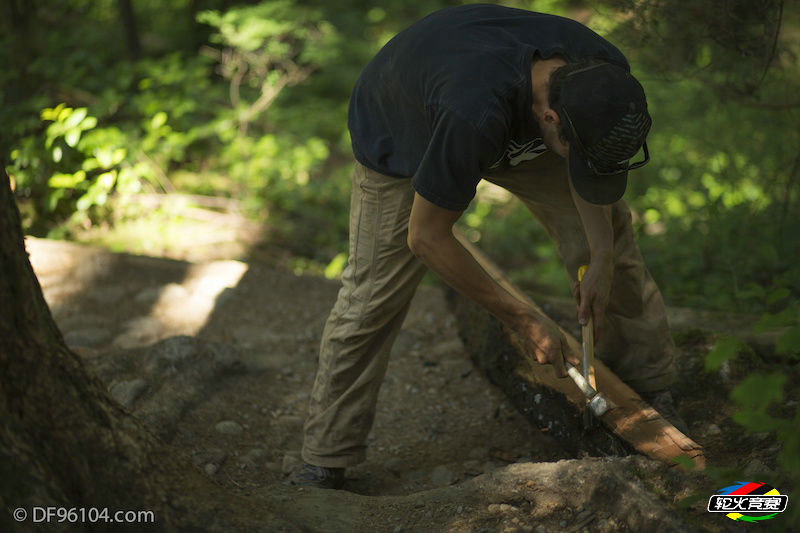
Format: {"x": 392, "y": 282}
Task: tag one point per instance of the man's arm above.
{"x": 593, "y": 292}
{"x": 431, "y": 239}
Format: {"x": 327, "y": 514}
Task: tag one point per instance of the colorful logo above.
{"x": 748, "y": 501}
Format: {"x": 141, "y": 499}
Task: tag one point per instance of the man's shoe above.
{"x": 662, "y": 401}
{"x": 318, "y": 476}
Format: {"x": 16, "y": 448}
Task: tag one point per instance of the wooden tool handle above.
{"x": 587, "y": 337}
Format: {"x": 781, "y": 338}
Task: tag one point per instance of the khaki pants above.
{"x": 382, "y": 275}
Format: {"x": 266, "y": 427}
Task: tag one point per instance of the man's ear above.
{"x": 551, "y": 117}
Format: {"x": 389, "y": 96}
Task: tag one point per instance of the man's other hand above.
{"x": 592, "y": 294}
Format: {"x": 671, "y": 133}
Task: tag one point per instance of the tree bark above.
{"x": 127, "y": 18}
{"x": 64, "y": 442}
{"x": 18, "y": 23}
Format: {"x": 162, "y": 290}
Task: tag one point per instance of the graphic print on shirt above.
{"x": 516, "y": 153}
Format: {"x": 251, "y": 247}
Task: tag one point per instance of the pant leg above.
{"x": 378, "y": 283}
{"x": 636, "y": 342}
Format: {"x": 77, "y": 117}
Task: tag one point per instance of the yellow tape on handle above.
{"x": 581, "y": 271}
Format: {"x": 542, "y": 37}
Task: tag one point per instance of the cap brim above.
{"x": 595, "y": 189}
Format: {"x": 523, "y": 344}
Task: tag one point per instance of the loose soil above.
{"x": 447, "y": 452}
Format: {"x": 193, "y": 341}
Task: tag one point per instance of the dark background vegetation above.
{"x": 240, "y": 106}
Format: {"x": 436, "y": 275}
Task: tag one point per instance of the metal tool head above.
{"x": 600, "y": 405}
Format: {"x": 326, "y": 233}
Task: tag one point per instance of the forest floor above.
{"x": 219, "y": 357}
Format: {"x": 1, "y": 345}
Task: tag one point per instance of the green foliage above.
{"x": 724, "y": 349}
{"x": 759, "y": 397}
{"x": 248, "y": 100}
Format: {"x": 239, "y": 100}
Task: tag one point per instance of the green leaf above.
{"x": 159, "y": 119}
{"x": 90, "y": 163}
{"x": 104, "y": 157}
{"x": 789, "y": 342}
{"x": 105, "y": 181}
{"x": 336, "y": 266}
{"x": 88, "y": 123}
{"x": 51, "y": 113}
{"x": 703, "y": 58}
{"x": 769, "y": 321}
{"x": 64, "y": 114}
{"x": 778, "y": 294}
{"x": 757, "y": 421}
{"x": 57, "y": 154}
{"x": 72, "y": 137}
{"x": 66, "y": 181}
{"x": 723, "y": 350}
{"x": 758, "y": 391}
{"x": 684, "y": 461}
{"x": 75, "y": 117}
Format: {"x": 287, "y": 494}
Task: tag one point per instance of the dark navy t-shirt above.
{"x": 448, "y": 100}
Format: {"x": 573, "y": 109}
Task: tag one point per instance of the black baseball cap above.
{"x": 607, "y": 122}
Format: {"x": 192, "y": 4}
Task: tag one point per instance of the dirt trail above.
{"x": 219, "y": 359}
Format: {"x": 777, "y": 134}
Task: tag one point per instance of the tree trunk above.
{"x": 65, "y": 443}
{"x": 18, "y": 23}
{"x": 127, "y": 18}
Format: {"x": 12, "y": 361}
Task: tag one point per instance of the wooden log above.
{"x": 556, "y": 404}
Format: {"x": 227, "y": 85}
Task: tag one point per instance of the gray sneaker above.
{"x": 318, "y": 476}
{"x": 662, "y": 401}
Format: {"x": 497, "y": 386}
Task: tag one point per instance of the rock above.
{"x": 478, "y": 453}
{"x": 127, "y": 392}
{"x": 755, "y": 468}
{"x": 210, "y": 460}
{"x": 148, "y": 295}
{"x": 394, "y": 465}
{"x": 272, "y": 467}
{"x": 210, "y": 456}
{"x": 174, "y": 350}
{"x": 713, "y": 429}
{"x": 540, "y": 529}
{"x": 415, "y": 476}
{"x": 108, "y": 295}
{"x": 489, "y": 466}
{"x": 229, "y": 427}
{"x": 173, "y": 291}
{"x": 448, "y": 347}
{"x": 252, "y": 457}
{"x": 291, "y": 420}
{"x": 405, "y": 342}
{"x": 472, "y": 467}
{"x": 257, "y": 334}
{"x": 441, "y": 476}
{"x": 139, "y": 332}
{"x": 737, "y": 368}
{"x": 181, "y": 371}
{"x": 87, "y": 337}
{"x": 289, "y": 464}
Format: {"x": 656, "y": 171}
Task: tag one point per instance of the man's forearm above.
{"x": 456, "y": 266}
{"x": 430, "y": 237}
